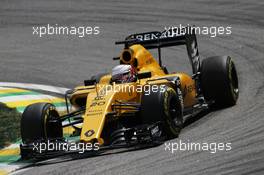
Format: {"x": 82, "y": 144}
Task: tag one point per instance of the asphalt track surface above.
{"x": 67, "y": 61}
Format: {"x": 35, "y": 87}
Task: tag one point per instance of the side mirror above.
{"x": 89, "y": 82}
{"x": 144, "y": 75}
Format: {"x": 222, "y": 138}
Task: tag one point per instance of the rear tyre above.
{"x": 219, "y": 81}
{"x": 164, "y": 105}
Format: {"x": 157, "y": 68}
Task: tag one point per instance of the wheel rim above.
{"x": 174, "y": 112}
{"x": 234, "y": 81}
{"x": 51, "y": 126}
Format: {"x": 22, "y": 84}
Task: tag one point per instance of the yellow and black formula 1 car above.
{"x": 151, "y": 107}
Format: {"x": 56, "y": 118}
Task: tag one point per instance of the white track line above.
{"x": 59, "y": 90}
{"x": 25, "y": 97}
{"x": 9, "y": 168}
{"x": 3, "y": 88}
{"x": 12, "y": 146}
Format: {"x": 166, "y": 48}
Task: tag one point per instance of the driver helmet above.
{"x": 123, "y": 74}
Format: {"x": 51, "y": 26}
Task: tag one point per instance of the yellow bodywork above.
{"x": 99, "y": 98}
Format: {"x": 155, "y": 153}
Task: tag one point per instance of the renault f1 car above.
{"x": 106, "y": 114}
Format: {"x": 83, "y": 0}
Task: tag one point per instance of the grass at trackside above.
{"x": 9, "y": 125}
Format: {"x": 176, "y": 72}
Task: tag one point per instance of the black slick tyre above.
{"x": 219, "y": 80}
{"x": 163, "y": 105}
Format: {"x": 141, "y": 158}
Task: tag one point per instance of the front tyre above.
{"x": 166, "y": 106}
{"x": 39, "y": 122}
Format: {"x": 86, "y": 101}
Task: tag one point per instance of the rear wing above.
{"x": 171, "y": 37}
